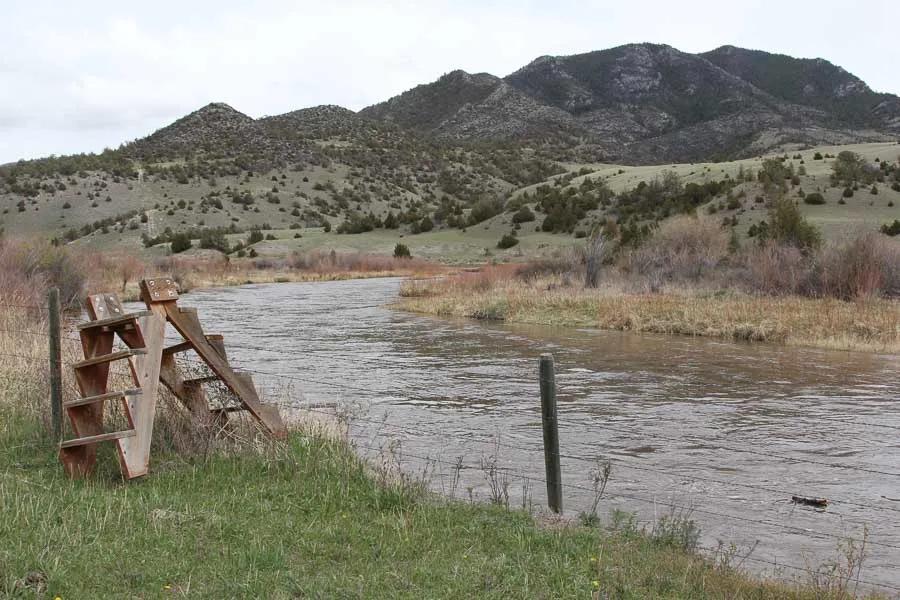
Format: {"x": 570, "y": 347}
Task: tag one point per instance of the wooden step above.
{"x": 114, "y": 323}
{"x": 200, "y": 380}
{"x": 94, "y": 439}
{"x": 105, "y": 358}
{"x": 101, "y": 397}
{"x": 212, "y": 338}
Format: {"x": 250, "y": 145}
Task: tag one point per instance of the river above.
{"x": 724, "y": 431}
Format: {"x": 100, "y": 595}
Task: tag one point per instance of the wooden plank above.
{"x": 87, "y": 420}
{"x": 108, "y": 358}
{"x": 134, "y": 452}
{"x": 104, "y": 306}
{"x": 161, "y": 289}
{"x": 215, "y": 339}
{"x": 114, "y": 322}
{"x": 96, "y": 439}
{"x": 201, "y": 380}
{"x": 187, "y": 324}
{"x": 102, "y": 397}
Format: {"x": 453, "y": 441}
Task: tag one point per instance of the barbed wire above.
{"x": 673, "y": 505}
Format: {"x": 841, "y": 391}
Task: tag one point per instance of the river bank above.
{"x": 870, "y": 324}
{"x": 309, "y": 517}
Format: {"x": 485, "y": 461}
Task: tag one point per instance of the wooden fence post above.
{"x": 551, "y": 433}
{"x": 55, "y": 364}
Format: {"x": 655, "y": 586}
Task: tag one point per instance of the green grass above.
{"x": 307, "y": 520}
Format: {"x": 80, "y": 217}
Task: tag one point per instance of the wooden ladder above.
{"x": 161, "y": 297}
{"x": 150, "y": 362}
{"x": 143, "y": 335}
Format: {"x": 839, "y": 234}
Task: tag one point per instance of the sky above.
{"x": 83, "y": 76}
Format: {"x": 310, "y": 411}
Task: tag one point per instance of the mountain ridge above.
{"x": 646, "y": 99}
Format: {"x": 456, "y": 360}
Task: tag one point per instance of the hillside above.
{"x": 448, "y": 165}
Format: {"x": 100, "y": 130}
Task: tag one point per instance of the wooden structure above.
{"x": 150, "y": 362}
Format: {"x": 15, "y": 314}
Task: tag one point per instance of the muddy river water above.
{"x": 725, "y": 432}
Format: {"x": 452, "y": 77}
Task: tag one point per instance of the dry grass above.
{"x": 119, "y": 272}
{"x": 871, "y": 324}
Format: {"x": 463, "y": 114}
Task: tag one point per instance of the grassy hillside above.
{"x": 295, "y": 204}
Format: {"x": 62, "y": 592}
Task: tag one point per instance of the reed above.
{"x": 869, "y": 323}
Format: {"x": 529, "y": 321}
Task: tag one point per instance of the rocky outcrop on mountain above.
{"x": 653, "y": 103}
{"x": 842, "y": 98}
{"x": 639, "y": 103}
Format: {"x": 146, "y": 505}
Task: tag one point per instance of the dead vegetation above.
{"x": 689, "y": 279}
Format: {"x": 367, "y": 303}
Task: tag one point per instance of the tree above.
{"x": 128, "y": 267}
{"x": 402, "y": 251}
{"x": 255, "y": 236}
{"x": 773, "y": 175}
{"x": 814, "y": 198}
{"x": 507, "y": 241}
{"x": 523, "y": 215}
{"x": 848, "y": 168}
{"x": 214, "y": 239}
{"x": 787, "y": 226}
{"x": 892, "y": 229}
{"x": 594, "y": 253}
{"x": 180, "y": 242}
{"x": 425, "y": 225}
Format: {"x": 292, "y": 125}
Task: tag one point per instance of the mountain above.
{"x": 209, "y": 129}
{"x": 814, "y": 83}
{"x": 653, "y": 103}
{"x": 463, "y": 152}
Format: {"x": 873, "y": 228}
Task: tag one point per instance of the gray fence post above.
{"x": 55, "y": 364}
{"x": 551, "y": 433}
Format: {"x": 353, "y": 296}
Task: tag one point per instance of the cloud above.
{"x": 106, "y": 69}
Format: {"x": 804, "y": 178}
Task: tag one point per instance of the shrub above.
{"x": 776, "y": 269}
{"x": 214, "y": 239}
{"x": 896, "y": 186}
{"x": 594, "y": 254}
{"x": 849, "y": 167}
{"x": 848, "y": 192}
{"x": 683, "y": 247}
{"x": 29, "y": 268}
{"x": 523, "y": 215}
{"x": 426, "y": 224}
{"x": 865, "y": 267}
{"x": 564, "y": 264}
{"x": 180, "y": 242}
{"x": 484, "y": 210}
{"x": 507, "y": 241}
{"x": 402, "y": 251}
{"x": 814, "y": 198}
{"x": 874, "y": 190}
{"x": 255, "y": 236}
{"x": 891, "y": 229}
{"x": 817, "y": 156}
{"x": 787, "y": 226}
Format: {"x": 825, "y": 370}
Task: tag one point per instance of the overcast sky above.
{"x": 81, "y": 76}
